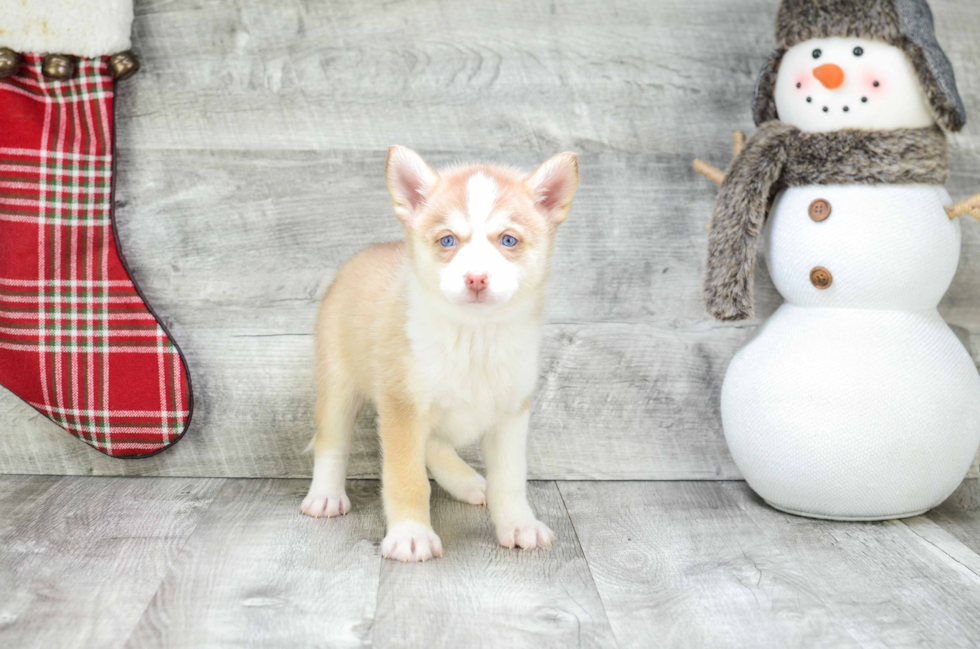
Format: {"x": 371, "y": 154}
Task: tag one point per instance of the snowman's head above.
{"x": 857, "y": 64}
{"x": 829, "y": 84}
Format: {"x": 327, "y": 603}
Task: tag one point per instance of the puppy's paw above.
{"x": 317, "y": 504}
{"x": 527, "y": 536}
{"x": 471, "y": 489}
{"x": 476, "y": 495}
{"x": 411, "y": 541}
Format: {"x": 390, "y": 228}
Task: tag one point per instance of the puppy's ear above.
{"x": 410, "y": 182}
{"x": 553, "y": 186}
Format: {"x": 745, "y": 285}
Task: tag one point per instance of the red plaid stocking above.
{"x": 77, "y": 341}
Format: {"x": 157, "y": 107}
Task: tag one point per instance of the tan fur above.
{"x": 526, "y": 405}
{"x": 362, "y": 348}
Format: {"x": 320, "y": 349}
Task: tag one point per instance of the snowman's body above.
{"x": 856, "y": 401}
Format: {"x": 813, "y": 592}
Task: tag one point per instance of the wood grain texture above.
{"x": 960, "y": 515}
{"x": 258, "y": 573}
{"x": 250, "y": 155}
{"x": 80, "y": 558}
{"x": 156, "y": 562}
{"x": 481, "y": 595}
{"x": 708, "y": 564}
{"x": 447, "y": 76}
{"x": 649, "y": 394}
{"x": 625, "y": 76}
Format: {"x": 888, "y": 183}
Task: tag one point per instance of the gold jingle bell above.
{"x": 9, "y": 62}
{"x": 58, "y": 66}
{"x": 123, "y": 65}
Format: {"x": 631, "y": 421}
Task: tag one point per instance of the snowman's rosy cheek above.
{"x": 872, "y": 82}
{"x": 804, "y": 79}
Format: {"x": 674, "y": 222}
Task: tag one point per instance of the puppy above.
{"x": 441, "y": 332}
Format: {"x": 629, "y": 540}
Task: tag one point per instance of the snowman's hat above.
{"x": 906, "y": 24}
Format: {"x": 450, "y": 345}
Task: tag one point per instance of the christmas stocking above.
{"x": 77, "y": 340}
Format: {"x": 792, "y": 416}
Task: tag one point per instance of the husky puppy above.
{"x": 441, "y": 332}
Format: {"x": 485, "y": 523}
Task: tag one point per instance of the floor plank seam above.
{"x": 578, "y": 540}
{"x": 366, "y": 639}
{"x": 971, "y": 568}
{"x": 177, "y": 555}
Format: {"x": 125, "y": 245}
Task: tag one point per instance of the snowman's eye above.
{"x": 817, "y": 54}
{"x": 858, "y": 51}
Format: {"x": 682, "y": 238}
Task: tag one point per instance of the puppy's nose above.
{"x": 830, "y": 75}
{"x": 476, "y": 282}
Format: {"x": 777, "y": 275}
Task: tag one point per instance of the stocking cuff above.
{"x": 87, "y": 28}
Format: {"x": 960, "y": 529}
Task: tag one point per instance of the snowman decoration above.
{"x": 855, "y": 400}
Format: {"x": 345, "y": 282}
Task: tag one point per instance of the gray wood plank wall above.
{"x": 250, "y": 167}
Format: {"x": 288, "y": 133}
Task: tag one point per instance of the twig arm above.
{"x": 739, "y": 143}
{"x": 712, "y": 172}
{"x": 970, "y": 206}
{"x": 709, "y": 171}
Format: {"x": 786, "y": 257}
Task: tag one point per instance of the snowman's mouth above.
{"x": 826, "y": 108}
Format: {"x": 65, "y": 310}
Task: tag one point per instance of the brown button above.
{"x": 821, "y": 278}
{"x": 58, "y": 66}
{"x": 819, "y": 210}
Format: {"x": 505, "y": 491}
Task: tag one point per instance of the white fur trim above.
{"x": 86, "y": 28}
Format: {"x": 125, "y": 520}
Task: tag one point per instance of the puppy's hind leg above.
{"x": 453, "y": 474}
{"x": 338, "y": 403}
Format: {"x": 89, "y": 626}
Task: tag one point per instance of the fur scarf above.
{"x": 780, "y": 156}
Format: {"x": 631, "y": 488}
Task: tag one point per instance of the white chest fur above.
{"x": 470, "y": 374}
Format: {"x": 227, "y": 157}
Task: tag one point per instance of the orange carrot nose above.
{"x": 830, "y": 75}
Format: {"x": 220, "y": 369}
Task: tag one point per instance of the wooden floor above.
{"x": 213, "y": 562}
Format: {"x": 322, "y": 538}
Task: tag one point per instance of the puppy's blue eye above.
{"x": 508, "y": 241}
{"x": 448, "y": 241}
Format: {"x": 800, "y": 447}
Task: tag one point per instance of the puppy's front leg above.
{"x": 405, "y": 486}
{"x": 505, "y": 455}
